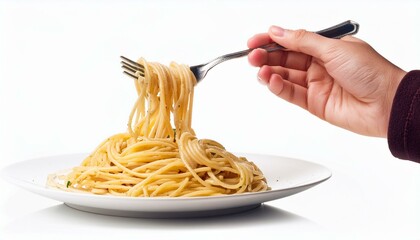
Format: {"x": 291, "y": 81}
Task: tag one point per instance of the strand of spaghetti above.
{"x": 180, "y": 188}
{"x": 145, "y": 157}
{"x": 167, "y": 186}
{"x": 135, "y": 188}
{"x": 127, "y": 170}
{"x": 163, "y": 127}
{"x": 216, "y": 181}
{"x": 156, "y": 164}
{"x": 184, "y": 157}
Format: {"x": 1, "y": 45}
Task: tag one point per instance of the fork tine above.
{"x": 131, "y": 61}
{"x": 131, "y": 71}
{"x": 130, "y": 74}
{"x": 132, "y": 64}
{"x": 132, "y": 67}
{"x": 128, "y": 68}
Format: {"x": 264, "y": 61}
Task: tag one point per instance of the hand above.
{"x": 343, "y": 81}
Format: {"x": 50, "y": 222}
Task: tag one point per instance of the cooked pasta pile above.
{"x": 160, "y": 154}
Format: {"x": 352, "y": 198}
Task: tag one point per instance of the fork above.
{"x": 133, "y": 69}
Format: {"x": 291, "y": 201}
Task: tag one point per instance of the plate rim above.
{"x": 7, "y": 177}
{"x": 195, "y": 203}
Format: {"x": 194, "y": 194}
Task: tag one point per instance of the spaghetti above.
{"x": 160, "y": 155}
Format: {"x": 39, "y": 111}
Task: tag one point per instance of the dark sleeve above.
{"x": 404, "y": 122}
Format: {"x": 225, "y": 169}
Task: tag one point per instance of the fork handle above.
{"x": 340, "y": 30}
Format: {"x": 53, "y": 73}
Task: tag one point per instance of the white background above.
{"x": 62, "y": 91}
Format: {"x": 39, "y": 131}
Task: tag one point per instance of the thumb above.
{"x": 303, "y": 41}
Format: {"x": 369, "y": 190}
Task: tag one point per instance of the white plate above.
{"x": 285, "y": 176}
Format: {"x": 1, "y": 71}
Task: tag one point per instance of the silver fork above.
{"x": 133, "y": 69}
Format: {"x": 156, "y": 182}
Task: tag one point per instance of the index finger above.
{"x": 259, "y": 40}
{"x": 288, "y": 59}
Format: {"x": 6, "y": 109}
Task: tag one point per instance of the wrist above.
{"x": 395, "y": 79}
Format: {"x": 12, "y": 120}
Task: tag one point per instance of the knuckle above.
{"x": 300, "y": 34}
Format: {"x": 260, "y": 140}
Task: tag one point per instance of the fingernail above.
{"x": 277, "y": 31}
{"x": 261, "y": 81}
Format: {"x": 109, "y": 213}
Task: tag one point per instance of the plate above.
{"x": 285, "y": 176}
